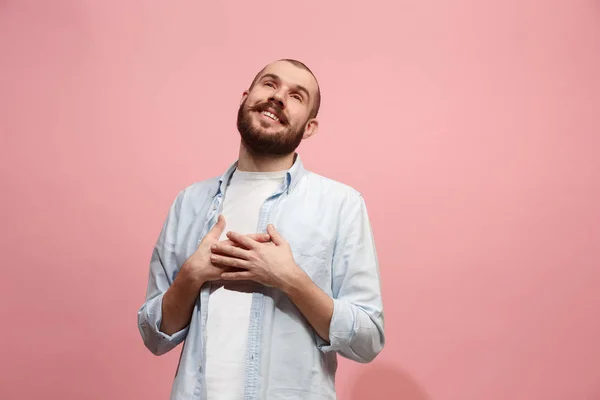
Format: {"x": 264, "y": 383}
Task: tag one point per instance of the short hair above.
{"x": 299, "y": 64}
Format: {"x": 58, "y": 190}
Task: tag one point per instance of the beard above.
{"x": 260, "y": 142}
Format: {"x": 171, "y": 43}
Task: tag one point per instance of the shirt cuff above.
{"x": 151, "y": 318}
{"x": 342, "y": 328}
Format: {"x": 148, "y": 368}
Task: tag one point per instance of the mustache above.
{"x": 272, "y": 107}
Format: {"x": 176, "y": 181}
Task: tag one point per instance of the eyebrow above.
{"x": 298, "y": 88}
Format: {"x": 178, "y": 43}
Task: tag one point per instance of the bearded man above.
{"x": 268, "y": 272}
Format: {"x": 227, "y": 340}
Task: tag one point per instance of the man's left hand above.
{"x": 271, "y": 264}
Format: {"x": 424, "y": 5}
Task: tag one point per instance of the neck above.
{"x": 251, "y": 162}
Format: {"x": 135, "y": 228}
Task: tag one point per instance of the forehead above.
{"x": 292, "y": 75}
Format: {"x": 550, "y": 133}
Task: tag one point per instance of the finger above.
{"x": 231, "y": 251}
{"x": 237, "y": 276}
{"x": 229, "y": 261}
{"x": 260, "y": 237}
{"x": 217, "y": 230}
{"x": 275, "y": 235}
{"x": 244, "y": 240}
{"x": 233, "y": 269}
{"x": 228, "y": 242}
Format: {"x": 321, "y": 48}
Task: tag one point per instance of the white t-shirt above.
{"x": 229, "y": 305}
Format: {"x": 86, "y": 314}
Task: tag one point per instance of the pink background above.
{"x": 471, "y": 127}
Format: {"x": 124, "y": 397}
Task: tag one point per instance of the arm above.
{"x": 273, "y": 265}
{"x": 178, "y": 302}
{"x": 163, "y": 269}
{"x": 352, "y": 321}
{"x": 357, "y": 324}
{"x": 172, "y": 293}
{"x": 313, "y": 303}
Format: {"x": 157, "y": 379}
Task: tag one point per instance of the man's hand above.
{"x": 271, "y": 264}
{"x": 178, "y": 301}
{"x": 198, "y": 268}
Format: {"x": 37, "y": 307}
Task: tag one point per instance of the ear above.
{"x": 312, "y": 126}
{"x": 244, "y": 96}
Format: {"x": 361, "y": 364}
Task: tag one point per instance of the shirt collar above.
{"x": 292, "y": 176}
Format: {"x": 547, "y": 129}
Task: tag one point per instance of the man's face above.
{"x": 274, "y": 115}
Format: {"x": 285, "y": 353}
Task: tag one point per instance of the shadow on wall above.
{"x": 385, "y": 382}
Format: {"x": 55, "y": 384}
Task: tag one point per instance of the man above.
{"x": 269, "y": 271}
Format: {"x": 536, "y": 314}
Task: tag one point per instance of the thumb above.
{"x": 275, "y": 236}
{"x": 218, "y": 228}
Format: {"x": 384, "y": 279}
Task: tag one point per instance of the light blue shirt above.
{"x": 327, "y": 226}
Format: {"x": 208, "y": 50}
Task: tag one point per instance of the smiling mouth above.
{"x": 271, "y": 116}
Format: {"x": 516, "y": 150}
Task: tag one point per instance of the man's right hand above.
{"x": 178, "y": 301}
{"x": 198, "y": 268}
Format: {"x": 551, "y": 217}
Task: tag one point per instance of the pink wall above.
{"x": 471, "y": 127}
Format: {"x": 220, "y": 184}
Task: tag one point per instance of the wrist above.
{"x": 297, "y": 283}
{"x": 189, "y": 279}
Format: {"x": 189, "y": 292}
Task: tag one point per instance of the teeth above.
{"x": 270, "y": 115}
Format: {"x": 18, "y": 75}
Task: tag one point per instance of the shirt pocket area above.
{"x": 310, "y": 249}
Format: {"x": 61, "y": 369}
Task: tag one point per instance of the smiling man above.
{"x": 270, "y": 271}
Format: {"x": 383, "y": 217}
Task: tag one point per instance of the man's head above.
{"x": 279, "y": 109}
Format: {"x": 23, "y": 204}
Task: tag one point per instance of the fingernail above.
{"x": 213, "y": 247}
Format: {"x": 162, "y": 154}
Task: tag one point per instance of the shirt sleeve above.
{"x": 163, "y": 269}
{"x": 357, "y": 327}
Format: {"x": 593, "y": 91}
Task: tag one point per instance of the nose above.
{"x": 277, "y": 97}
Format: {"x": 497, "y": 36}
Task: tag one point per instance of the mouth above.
{"x": 270, "y": 114}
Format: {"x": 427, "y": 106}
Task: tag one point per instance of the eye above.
{"x": 297, "y": 97}
{"x": 269, "y": 84}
